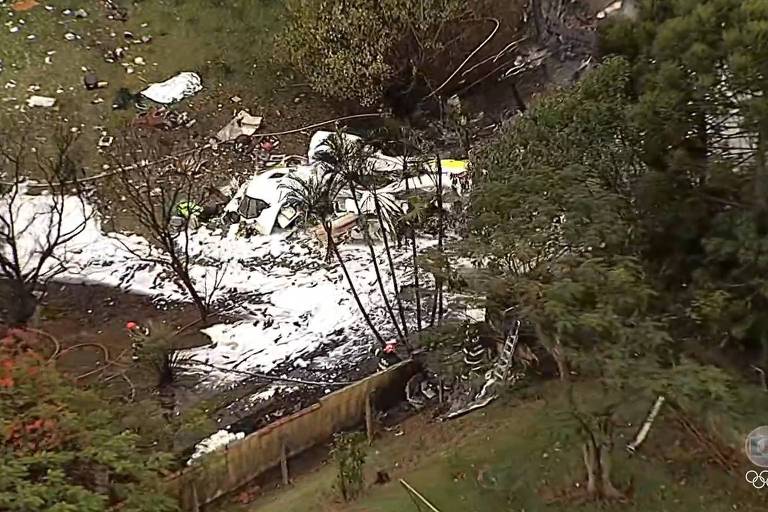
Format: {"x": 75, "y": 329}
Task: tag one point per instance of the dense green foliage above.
{"x": 61, "y": 448}
{"x": 656, "y": 160}
{"x": 357, "y": 49}
{"x": 626, "y": 216}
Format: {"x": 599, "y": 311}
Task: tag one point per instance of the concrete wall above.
{"x": 225, "y": 470}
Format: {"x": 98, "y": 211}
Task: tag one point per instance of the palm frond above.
{"x": 314, "y": 195}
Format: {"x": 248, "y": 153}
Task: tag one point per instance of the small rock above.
{"x": 139, "y": 61}
{"x": 69, "y": 36}
{"x": 31, "y": 37}
{"x": 81, "y": 13}
{"x": 235, "y": 99}
{"x": 90, "y": 81}
{"x": 13, "y": 30}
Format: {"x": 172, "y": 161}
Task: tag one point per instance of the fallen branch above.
{"x": 130, "y": 383}
{"x": 646, "y": 427}
{"x": 710, "y": 445}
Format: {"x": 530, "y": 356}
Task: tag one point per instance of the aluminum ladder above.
{"x": 507, "y": 356}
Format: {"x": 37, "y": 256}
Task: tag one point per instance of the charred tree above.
{"x": 153, "y": 193}
{"x": 41, "y": 211}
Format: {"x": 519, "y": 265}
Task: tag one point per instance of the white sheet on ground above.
{"x": 174, "y": 89}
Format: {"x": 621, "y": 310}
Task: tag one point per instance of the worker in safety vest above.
{"x": 388, "y": 355}
{"x": 139, "y": 336}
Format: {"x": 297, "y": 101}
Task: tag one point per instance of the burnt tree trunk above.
{"x": 183, "y": 273}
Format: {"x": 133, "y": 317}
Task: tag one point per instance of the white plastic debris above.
{"x": 174, "y": 89}
{"x": 69, "y": 36}
{"x": 41, "y": 101}
{"x": 218, "y": 440}
{"x": 612, "y": 8}
{"x": 242, "y": 124}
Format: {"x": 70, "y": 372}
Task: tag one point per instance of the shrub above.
{"x": 349, "y": 454}
{"x": 358, "y": 49}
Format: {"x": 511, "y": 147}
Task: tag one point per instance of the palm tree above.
{"x": 315, "y": 196}
{"x": 348, "y": 160}
{"x": 408, "y": 222}
{"x": 392, "y": 212}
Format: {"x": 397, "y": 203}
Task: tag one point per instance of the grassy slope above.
{"x": 504, "y": 458}
{"x": 230, "y": 43}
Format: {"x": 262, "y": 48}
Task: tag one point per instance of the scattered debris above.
{"x": 71, "y": 36}
{"x": 260, "y": 201}
{"x": 162, "y": 118}
{"x": 174, "y": 89}
{"x": 80, "y": 13}
{"x": 242, "y": 124}
{"x": 105, "y": 141}
{"x": 41, "y": 101}
{"x": 123, "y": 99}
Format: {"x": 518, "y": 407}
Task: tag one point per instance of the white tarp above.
{"x": 174, "y": 89}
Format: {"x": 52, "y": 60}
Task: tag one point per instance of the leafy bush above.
{"x": 356, "y": 49}
{"x": 349, "y": 455}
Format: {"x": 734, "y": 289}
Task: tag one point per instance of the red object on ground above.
{"x": 131, "y": 326}
{"x": 24, "y": 5}
{"x": 390, "y": 347}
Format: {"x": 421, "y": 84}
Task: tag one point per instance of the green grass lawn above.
{"x": 505, "y": 459}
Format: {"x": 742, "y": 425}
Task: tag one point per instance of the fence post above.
{"x": 369, "y": 418}
{"x": 284, "y": 464}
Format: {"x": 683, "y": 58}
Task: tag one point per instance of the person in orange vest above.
{"x": 138, "y": 335}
